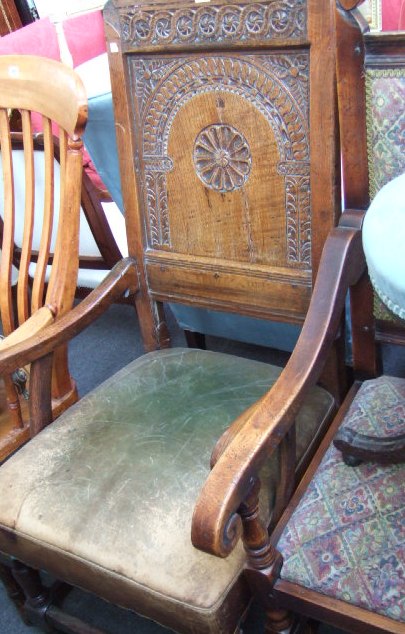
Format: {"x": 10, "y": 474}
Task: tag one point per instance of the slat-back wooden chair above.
{"x": 101, "y": 240}
{"x": 35, "y": 304}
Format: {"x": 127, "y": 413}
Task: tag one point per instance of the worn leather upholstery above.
{"x": 134, "y": 453}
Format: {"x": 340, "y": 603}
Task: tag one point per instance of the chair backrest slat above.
{"x": 6, "y": 304}
{"x": 47, "y": 219}
{"x": 26, "y": 248}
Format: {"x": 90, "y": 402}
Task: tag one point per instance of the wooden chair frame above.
{"x": 28, "y": 310}
{"x": 289, "y": 606}
{"x": 109, "y": 256}
{"x": 227, "y": 509}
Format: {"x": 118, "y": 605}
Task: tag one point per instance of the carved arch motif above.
{"x": 276, "y": 84}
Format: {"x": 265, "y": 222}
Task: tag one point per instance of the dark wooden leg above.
{"x": 38, "y": 608}
{"x": 263, "y": 570}
{"x": 195, "y": 339}
{"x": 37, "y": 597}
{"x": 285, "y": 622}
{"x": 13, "y": 590}
{"x": 280, "y": 622}
{"x": 264, "y": 561}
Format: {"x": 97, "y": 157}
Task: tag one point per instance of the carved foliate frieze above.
{"x": 276, "y": 84}
{"x": 204, "y": 24}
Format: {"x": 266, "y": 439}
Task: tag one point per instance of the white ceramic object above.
{"x": 384, "y": 244}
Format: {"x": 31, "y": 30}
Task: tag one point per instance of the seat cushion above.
{"x": 104, "y": 496}
{"x": 346, "y": 538}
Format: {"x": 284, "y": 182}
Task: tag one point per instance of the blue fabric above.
{"x": 100, "y": 141}
{"x": 239, "y": 327}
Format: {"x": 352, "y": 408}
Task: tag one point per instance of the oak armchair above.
{"x": 112, "y": 496}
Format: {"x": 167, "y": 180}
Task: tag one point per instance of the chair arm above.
{"x": 255, "y": 435}
{"x": 123, "y": 276}
{"x": 32, "y": 326}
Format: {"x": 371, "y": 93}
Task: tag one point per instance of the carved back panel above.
{"x": 214, "y": 103}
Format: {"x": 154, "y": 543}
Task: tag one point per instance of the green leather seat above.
{"x": 134, "y": 453}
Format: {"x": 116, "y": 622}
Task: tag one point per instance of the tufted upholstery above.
{"x": 346, "y": 538}
{"x": 145, "y": 447}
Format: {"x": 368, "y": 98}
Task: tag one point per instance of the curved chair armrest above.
{"x": 254, "y": 436}
{"x": 42, "y": 317}
{"x": 122, "y": 277}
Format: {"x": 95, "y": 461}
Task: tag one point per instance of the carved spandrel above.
{"x": 201, "y": 25}
{"x": 276, "y": 84}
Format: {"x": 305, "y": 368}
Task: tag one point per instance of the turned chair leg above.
{"x": 285, "y": 622}
{"x": 263, "y": 569}
{"x": 38, "y": 606}
{"x": 37, "y": 596}
{"x": 13, "y": 403}
{"x": 280, "y": 622}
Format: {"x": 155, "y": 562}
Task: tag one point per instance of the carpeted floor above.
{"x": 101, "y": 350}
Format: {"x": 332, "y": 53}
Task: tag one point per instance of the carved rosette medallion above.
{"x": 222, "y": 158}
{"x": 262, "y": 21}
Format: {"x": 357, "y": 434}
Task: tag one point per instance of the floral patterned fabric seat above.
{"x": 346, "y": 539}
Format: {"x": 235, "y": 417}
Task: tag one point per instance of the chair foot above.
{"x": 279, "y": 622}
